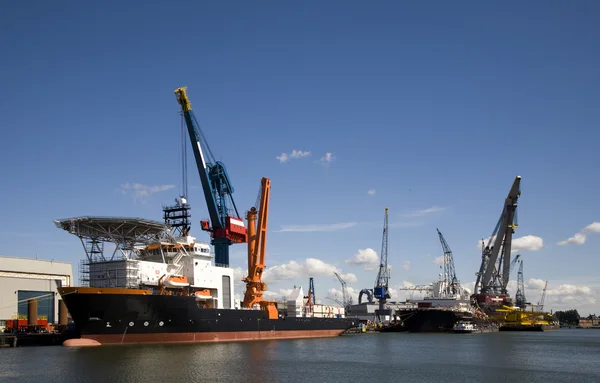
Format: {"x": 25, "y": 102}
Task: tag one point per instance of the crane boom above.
{"x": 227, "y": 226}
{"x": 520, "y": 299}
{"x": 381, "y": 284}
{"x": 494, "y": 271}
{"x": 257, "y": 247}
{"x": 451, "y": 286}
{"x": 381, "y": 290}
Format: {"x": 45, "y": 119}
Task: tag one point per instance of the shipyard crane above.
{"x": 257, "y": 248}
{"x": 493, "y": 275}
{"x": 346, "y": 298}
{"x": 520, "y": 299}
{"x": 310, "y": 298}
{"x": 451, "y": 284}
{"x": 380, "y": 291}
{"x": 541, "y": 302}
{"x": 226, "y": 226}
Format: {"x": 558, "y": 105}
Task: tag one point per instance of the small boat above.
{"x": 464, "y": 328}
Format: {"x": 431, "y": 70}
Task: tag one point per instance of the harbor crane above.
{"x": 381, "y": 291}
{"x": 451, "y": 285}
{"x": 346, "y": 298}
{"x": 520, "y": 299}
{"x": 541, "y": 302}
{"x": 257, "y": 248}
{"x": 494, "y": 272}
{"x": 310, "y": 298}
{"x": 226, "y": 226}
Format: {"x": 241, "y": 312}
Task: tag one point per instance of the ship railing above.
{"x": 221, "y": 265}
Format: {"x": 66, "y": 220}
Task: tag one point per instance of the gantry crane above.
{"x": 257, "y": 247}
{"x": 227, "y": 226}
{"x": 381, "y": 291}
{"x": 494, "y": 272}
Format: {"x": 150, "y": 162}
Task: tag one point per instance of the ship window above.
{"x": 196, "y": 263}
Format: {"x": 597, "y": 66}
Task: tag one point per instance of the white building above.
{"x": 25, "y": 278}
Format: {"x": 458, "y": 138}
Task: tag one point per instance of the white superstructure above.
{"x": 184, "y": 263}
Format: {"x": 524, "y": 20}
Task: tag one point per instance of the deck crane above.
{"x": 227, "y": 226}
{"x": 494, "y": 272}
{"x": 520, "y": 299}
{"x": 257, "y": 247}
{"x": 451, "y": 284}
{"x": 380, "y": 291}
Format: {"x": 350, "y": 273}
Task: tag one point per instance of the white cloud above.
{"x": 313, "y": 228}
{"x": 371, "y": 192}
{"x": 143, "y": 192}
{"x": 577, "y": 239}
{"x": 284, "y": 157}
{"x": 334, "y": 294}
{"x": 422, "y": 212}
{"x": 406, "y": 265}
{"x": 367, "y": 257}
{"x": 593, "y": 227}
{"x": 562, "y": 296}
{"x": 580, "y": 238}
{"x": 439, "y": 260}
{"x": 327, "y": 158}
{"x": 299, "y": 154}
{"x": 527, "y": 243}
{"x": 310, "y": 267}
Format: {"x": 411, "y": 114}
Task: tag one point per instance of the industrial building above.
{"x": 22, "y": 279}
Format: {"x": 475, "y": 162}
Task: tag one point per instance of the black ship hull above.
{"x": 535, "y": 327}
{"x": 119, "y": 318}
{"x": 427, "y": 320}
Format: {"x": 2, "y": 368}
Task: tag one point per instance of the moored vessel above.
{"x": 464, "y": 328}
{"x": 167, "y": 290}
{"x": 161, "y": 285}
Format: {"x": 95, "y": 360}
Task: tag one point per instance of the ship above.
{"x": 446, "y": 302}
{"x": 444, "y": 305}
{"x": 161, "y": 285}
{"x": 464, "y": 327}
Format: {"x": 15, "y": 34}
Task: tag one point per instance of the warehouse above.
{"x": 22, "y": 279}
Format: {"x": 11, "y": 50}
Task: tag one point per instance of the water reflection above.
{"x": 564, "y": 356}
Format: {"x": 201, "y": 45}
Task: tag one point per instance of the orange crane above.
{"x": 257, "y": 247}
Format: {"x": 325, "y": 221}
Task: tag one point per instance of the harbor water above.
{"x": 567, "y": 355}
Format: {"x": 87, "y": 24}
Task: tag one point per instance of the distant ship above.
{"x": 168, "y": 290}
{"x": 445, "y": 304}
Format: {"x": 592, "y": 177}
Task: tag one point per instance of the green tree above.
{"x": 570, "y": 317}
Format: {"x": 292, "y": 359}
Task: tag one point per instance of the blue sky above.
{"x": 436, "y": 107}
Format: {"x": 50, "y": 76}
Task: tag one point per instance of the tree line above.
{"x": 569, "y": 317}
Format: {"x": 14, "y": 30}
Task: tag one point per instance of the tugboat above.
{"x": 464, "y": 327}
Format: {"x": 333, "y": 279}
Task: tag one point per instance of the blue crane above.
{"x": 227, "y": 226}
{"x": 381, "y": 291}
